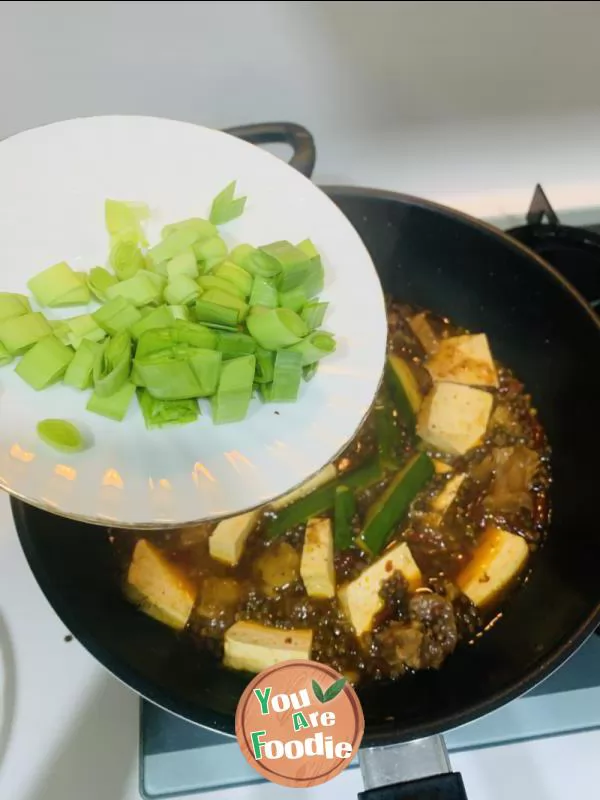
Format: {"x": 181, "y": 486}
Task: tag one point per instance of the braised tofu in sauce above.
{"x": 448, "y": 481}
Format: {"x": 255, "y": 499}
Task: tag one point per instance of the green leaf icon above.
{"x": 334, "y": 690}
{"x": 318, "y": 692}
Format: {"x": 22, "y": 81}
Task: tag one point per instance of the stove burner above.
{"x": 575, "y": 252}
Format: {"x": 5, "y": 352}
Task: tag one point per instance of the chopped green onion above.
{"x": 161, "y": 317}
{"x": 315, "y": 346}
{"x": 13, "y": 305}
{"x": 287, "y": 375}
{"x": 313, "y": 314}
{"x": 45, "y": 363}
{"x": 79, "y": 372}
{"x": 115, "y": 407}
{"x": 235, "y": 275}
{"x": 112, "y": 365}
{"x": 265, "y": 363}
{"x": 293, "y": 298}
{"x": 51, "y": 286}
{"x": 140, "y": 290}
{"x": 276, "y": 328}
{"x": 227, "y": 300}
{"x": 175, "y": 243}
{"x": 213, "y": 281}
{"x": 99, "y": 281}
{"x": 201, "y": 227}
{"x": 183, "y": 264}
{"x": 158, "y": 413}
{"x": 235, "y": 344}
{"x": 263, "y": 293}
{"x": 224, "y": 208}
{"x": 122, "y": 218}
{"x": 181, "y": 290}
{"x": 61, "y": 435}
{"x": 232, "y": 398}
{"x": 210, "y": 252}
{"x": 20, "y": 333}
{"x": 344, "y": 511}
{"x": 126, "y": 258}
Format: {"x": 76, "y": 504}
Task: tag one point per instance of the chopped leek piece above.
{"x": 117, "y": 315}
{"x": 52, "y": 285}
{"x": 122, "y": 218}
{"x": 79, "y": 328}
{"x": 79, "y": 371}
{"x": 183, "y": 264}
{"x": 227, "y": 300}
{"x": 276, "y": 328}
{"x": 60, "y": 329}
{"x": 313, "y": 314}
{"x": 259, "y": 262}
{"x": 315, "y": 346}
{"x": 232, "y": 398}
{"x": 265, "y": 362}
{"x": 126, "y": 258}
{"x": 196, "y": 335}
{"x": 308, "y": 373}
{"x": 13, "y": 305}
{"x": 202, "y": 227}
{"x": 180, "y": 312}
{"x": 161, "y": 317}
{"x": 5, "y": 356}
{"x": 293, "y": 298}
{"x": 115, "y": 407}
{"x": 45, "y": 363}
{"x": 20, "y": 333}
{"x": 308, "y": 248}
{"x": 158, "y": 413}
{"x": 263, "y": 293}
{"x": 287, "y": 375}
{"x": 61, "y": 435}
{"x": 213, "y": 281}
{"x": 219, "y": 326}
{"x": 99, "y": 280}
{"x": 240, "y": 253}
{"x": 238, "y": 276}
{"x": 181, "y": 290}
{"x": 235, "y": 344}
{"x": 140, "y": 290}
{"x": 179, "y": 373}
{"x": 172, "y": 245}
{"x": 224, "y": 208}
{"x": 112, "y": 365}
{"x": 210, "y": 252}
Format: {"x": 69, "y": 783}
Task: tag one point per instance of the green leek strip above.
{"x": 115, "y": 407}
{"x": 181, "y": 291}
{"x": 226, "y": 300}
{"x": 172, "y": 245}
{"x": 390, "y": 508}
{"x": 61, "y": 435}
{"x": 183, "y": 264}
{"x": 287, "y": 375}
{"x": 263, "y": 293}
{"x": 344, "y": 511}
{"x": 224, "y": 207}
{"x": 308, "y": 248}
{"x": 79, "y": 372}
{"x": 140, "y": 290}
{"x": 5, "y": 356}
{"x": 265, "y": 364}
{"x": 210, "y": 252}
{"x": 323, "y": 499}
{"x": 235, "y": 275}
{"x": 293, "y": 298}
{"x": 117, "y": 315}
{"x": 161, "y": 317}
{"x": 180, "y": 312}
{"x": 213, "y": 281}
{"x": 81, "y": 328}
{"x": 20, "y": 333}
{"x": 112, "y": 365}
{"x": 52, "y": 285}
{"x": 404, "y": 388}
{"x": 99, "y": 280}
{"x": 315, "y": 346}
{"x": 45, "y": 363}
{"x": 123, "y": 218}
{"x": 388, "y": 435}
{"x": 232, "y": 398}
{"x": 13, "y": 305}
{"x": 313, "y": 314}
{"x": 126, "y": 258}
{"x": 158, "y": 413}
{"x": 308, "y": 373}
{"x": 201, "y": 227}
{"x": 236, "y": 344}
{"x": 276, "y": 328}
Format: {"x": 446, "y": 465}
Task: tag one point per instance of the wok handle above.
{"x": 437, "y": 787}
{"x": 299, "y": 139}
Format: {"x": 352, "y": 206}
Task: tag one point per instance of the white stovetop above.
{"x": 69, "y": 730}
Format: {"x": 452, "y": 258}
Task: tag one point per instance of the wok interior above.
{"x": 440, "y": 261}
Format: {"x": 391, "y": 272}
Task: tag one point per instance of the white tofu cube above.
{"x": 254, "y": 647}
{"x": 316, "y": 566}
{"x": 454, "y": 418}
{"x": 499, "y": 558}
{"x": 464, "y": 359}
{"x": 226, "y": 543}
{"x": 360, "y": 599}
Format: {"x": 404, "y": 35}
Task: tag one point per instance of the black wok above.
{"x": 538, "y": 325}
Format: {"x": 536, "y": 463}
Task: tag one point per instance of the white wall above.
{"x": 411, "y": 95}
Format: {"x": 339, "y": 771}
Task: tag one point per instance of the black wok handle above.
{"x": 436, "y": 787}
{"x": 299, "y": 139}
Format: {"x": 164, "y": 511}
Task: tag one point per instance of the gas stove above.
{"x": 178, "y": 758}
